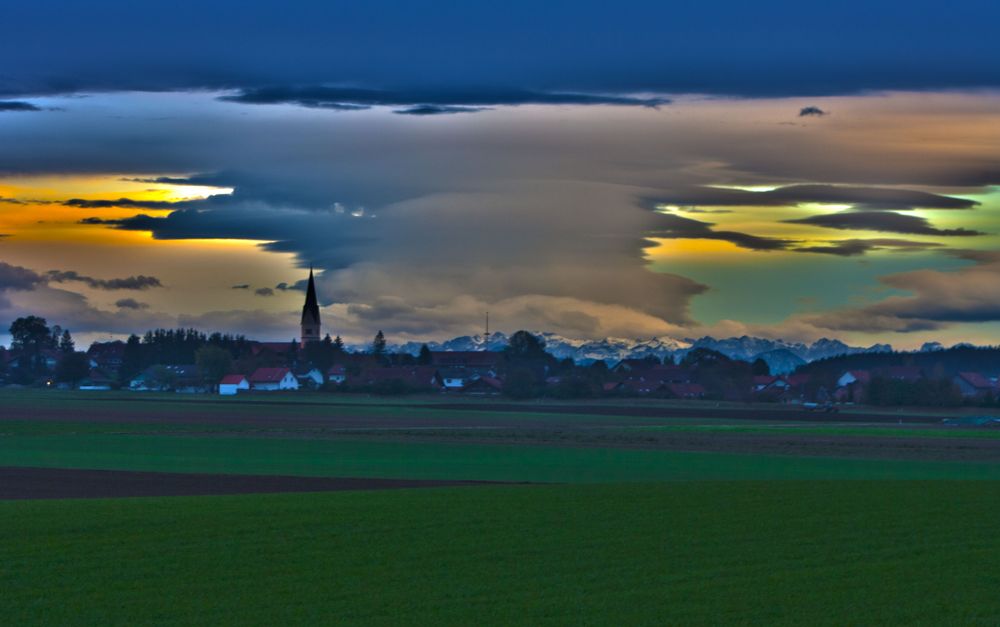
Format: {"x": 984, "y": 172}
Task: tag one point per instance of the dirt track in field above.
{"x": 68, "y": 483}
{"x": 270, "y": 413}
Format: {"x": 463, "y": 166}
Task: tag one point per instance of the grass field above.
{"x": 771, "y": 553}
{"x": 434, "y": 460}
{"x": 627, "y": 532}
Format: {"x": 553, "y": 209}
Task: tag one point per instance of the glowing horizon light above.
{"x": 748, "y": 188}
{"x": 822, "y": 206}
{"x": 195, "y": 192}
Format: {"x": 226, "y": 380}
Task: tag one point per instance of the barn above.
{"x": 231, "y": 384}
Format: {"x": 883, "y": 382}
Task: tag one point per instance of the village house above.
{"x": 851, "y": 377}
{"x": 483, "y": 386}
{"x": 973, "y": 385}
{"x": 687, "y": 391}
{"x": 769, "y": 383}
{"x": 272, "y": 380}
{"x": 185, "y": 378}
{"x": 232, "y": 384}
{"x": 456, "y": 378}
{"x": 96, "y": 381}
{"x": 424, "y": 378}
{"x": 309, "y": 379}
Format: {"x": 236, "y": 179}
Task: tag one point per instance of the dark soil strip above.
{"x": 756, "y": 411}
{"x": 68, "y": 483}
{"x": 773, "y": 413}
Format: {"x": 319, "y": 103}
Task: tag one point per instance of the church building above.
{"x": 310, "y": 314}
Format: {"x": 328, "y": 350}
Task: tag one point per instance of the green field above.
{"x": 621, "y": 534}
{"x": 769, "y": 553}
{"x": 433, "y": 460}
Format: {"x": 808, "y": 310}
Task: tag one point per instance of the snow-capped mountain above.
{"x": 781, "y": 360}
{"x": 497, "y": 342}
{"x": 781, "y": 356}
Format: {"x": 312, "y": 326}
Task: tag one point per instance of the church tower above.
{"x": 310, "y": 314}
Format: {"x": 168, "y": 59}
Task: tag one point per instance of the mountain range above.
{"x": 782, "y": 356}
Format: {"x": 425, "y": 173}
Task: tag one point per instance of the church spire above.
{"x": 310, "y": 313}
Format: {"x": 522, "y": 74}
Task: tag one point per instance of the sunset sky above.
{"x": 591, "y": 169}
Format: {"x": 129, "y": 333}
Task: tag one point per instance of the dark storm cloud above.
{"x": 16, "y": 105}
{"x": 529, "y": 207}
{"x": 811, "y": 111}
{"x": 130, "y": 303}
{"x": 862, "y": 198}
{"x": 779, "y": 47}
{"x": 201, "y": 179}
{"x": 438, "y": 110}
{"x": 426, "y": 102}
{"x": 382, "y": 309}
{"x": 853, "y": 247}
{"x": 18, "y": 278}
{"x": 678, "y": 227}
{"x": 882, "y": 221}
{"x": 139, "y": 282}
{"x": 123, "y": 203}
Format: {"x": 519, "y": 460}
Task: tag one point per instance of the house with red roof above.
{"x": 483, "y": 386}
{"x": 973, "y": 385}
{"x": 413, "y": 377}
{"x": 851, "y": 377}
{"x": 767, "y": 383}
{"x": 232, "y": 384}
{"x": 851, "y": 386}
{"x": 686, "y": 390}
{"x": 273, "y": 379}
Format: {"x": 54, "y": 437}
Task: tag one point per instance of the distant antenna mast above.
{"x": 486, "y": 341}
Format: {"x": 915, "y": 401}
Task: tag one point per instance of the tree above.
{"x": 722, "y": 377}
{"x": 213, "y": 362}
{"x": 338, "y": 344}
{"x": 759, "y": 367}
{"x": 30, "y": 333}
{"x": 29, "y": 336}
{"x": 424, "y": 358}
{"x": 66, "y": 344}
{"x": 525, "y": 346}
{"x": 702, "y": 357}
{"x": 378, "y": 344}
{"x": 132, "y": 359}
{"x": 72, "y": 368}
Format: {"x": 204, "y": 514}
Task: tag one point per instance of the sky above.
{"x": 631, "y": 170}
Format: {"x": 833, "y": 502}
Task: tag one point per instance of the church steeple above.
{"x": 310, "y": 313}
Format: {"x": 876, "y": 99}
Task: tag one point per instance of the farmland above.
{"x": 593, "y": 514}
